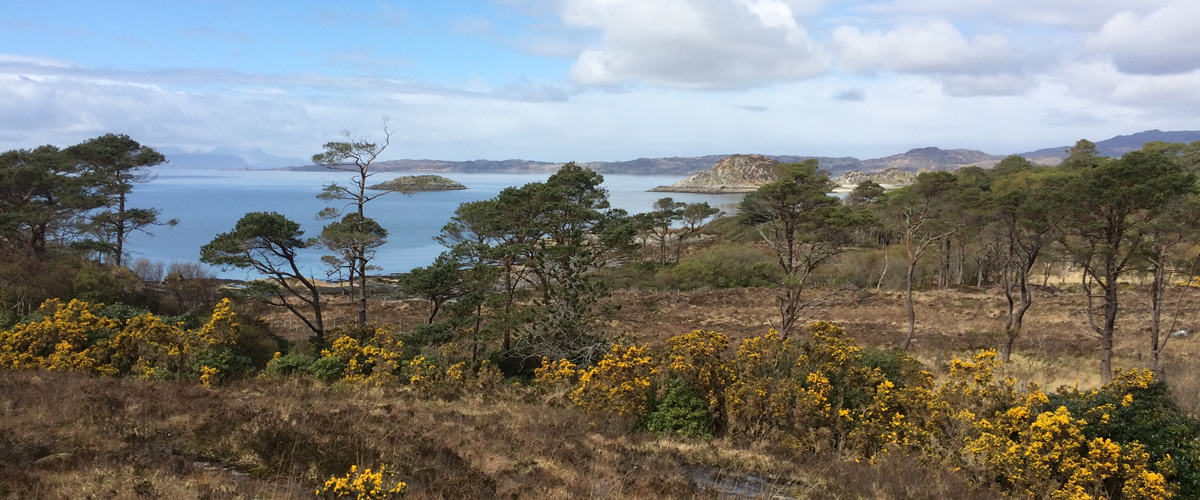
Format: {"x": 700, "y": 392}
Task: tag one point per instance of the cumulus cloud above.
{"x": 1164, "y": 41}
{"x": 695, "y": 44}
{"x": 1069, "y": 14}
{"x": 1105, "y": 82}
{"x": 935, "y": 47}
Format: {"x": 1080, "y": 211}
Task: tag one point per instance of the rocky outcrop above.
{"x": 889, "y": 177}
{"x": 417, "y": 183}
{"x": 735, "y": 174}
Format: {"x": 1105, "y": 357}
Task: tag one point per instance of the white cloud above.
{"x": 934, "y": 47}
{"x": 1069, "y": 14}
{"x": 695, "y": 44}
{"x": 1160, "y": 42}
{"x": 1001, "y": 84}
{"x": 1169, "y": 95}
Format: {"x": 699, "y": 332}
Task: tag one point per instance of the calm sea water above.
{"x": 209, "y": 202}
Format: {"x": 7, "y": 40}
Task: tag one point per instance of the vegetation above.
{"x": 535, "y": 359}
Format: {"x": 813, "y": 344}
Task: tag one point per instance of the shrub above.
{"x": 618, "y": 384}
{"x": 1137, "y": 408}
{"x": 680, "y": 411}
{"x": 364, "y": 485}
{"x": 327, "y": 369}
{"x": 289, "y": 364}
{"x": 724, "y": 266}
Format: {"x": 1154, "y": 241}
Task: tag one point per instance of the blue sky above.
{"x": 586, "y": 80}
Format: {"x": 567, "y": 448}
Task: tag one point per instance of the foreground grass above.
{"x": 68, "y": 435}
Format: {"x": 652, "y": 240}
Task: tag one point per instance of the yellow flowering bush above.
{"x": 697, "y": 358}
{"x": 1051, "y": 458}
{"x": 364, "y": 485}
{"x": 375, "y": 361}
{"x": 554, "y": 373}
{"x": 62, "y": 340}
{"x": 618, "y": 384}
{"x": 73, "y": 337}
{"x": 761, "y": 390}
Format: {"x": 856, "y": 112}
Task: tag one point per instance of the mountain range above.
{"x": 919, "y": 159}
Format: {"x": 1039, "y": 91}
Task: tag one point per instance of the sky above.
{"x": 597, "y": 80}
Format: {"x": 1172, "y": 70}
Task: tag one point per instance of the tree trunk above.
{"x": 944, "y": 271}
{"x": 962, "y": 258}
{"x": 362, "y": 292}
{"x": 1110, "y": 321}
{"x": 908, "y": 302}
{"x": 1156, "y": 296}
{"x": 120, "y": 230}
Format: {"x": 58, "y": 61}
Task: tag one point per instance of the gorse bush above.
{"x": 1125, "y": 440}
{"x": 364, "y": 485}
{"x": 72, "y": 337}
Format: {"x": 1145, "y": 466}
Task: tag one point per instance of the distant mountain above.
{"x": 226, "y": 159}
{"x": 914, "y": 160}
{"x": 921, "y": 159}
{"x": 1120, "y": 144}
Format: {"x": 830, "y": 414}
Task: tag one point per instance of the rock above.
{"x": 889, "y": 177}
{"x": 52, "y": 459}
{"x": 735, "y": 174}
{"x": 416, "y": 183}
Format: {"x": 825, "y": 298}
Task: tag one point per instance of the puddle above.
{"x": 734, "y": 485}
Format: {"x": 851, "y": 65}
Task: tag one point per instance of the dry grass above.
{"x": 1057, "y": 346}
{"x": 72, "y": 436}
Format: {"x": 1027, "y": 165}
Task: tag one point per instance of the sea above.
{"x": 209, "y": 202}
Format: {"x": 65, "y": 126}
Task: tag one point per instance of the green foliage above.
{"x": 116, "y": 162}
{"x": 269, "y": 243}
{"x": 94, "y": 283}
{"x": 721, "y": 266}
{"x": 888, "y": 361}
{"x": 680, "y": 411}
{"x": 327, "y": 369}
{"x": 1129, "y": 413}
{"x": 289, "y": 364}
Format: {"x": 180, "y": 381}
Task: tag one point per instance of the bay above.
{"x": 209, "y": 202}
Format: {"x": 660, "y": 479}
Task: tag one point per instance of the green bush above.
{"x": 890, "y": 361}
{"x": 722, "y": 266}
{"x": 225, "y": 360}
{"x": 1152, "y": 418}
{"x": 328, "y": 369}
{"x": 680, "y": 412}
{"x": 289, "y": 364}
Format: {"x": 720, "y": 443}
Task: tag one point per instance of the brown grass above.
{"x": 72, "y": 436}
{"x": 1056, "y": 348}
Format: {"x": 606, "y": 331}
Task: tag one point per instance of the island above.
{"x": 417, "y": 183}
{"x": 735, "y": 174}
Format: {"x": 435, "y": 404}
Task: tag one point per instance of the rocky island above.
{"x": 889, "y": 178}
{"x": 735, "y": 174}
{"x": 745, "y": 173}
{"x": 417, "y": 183}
